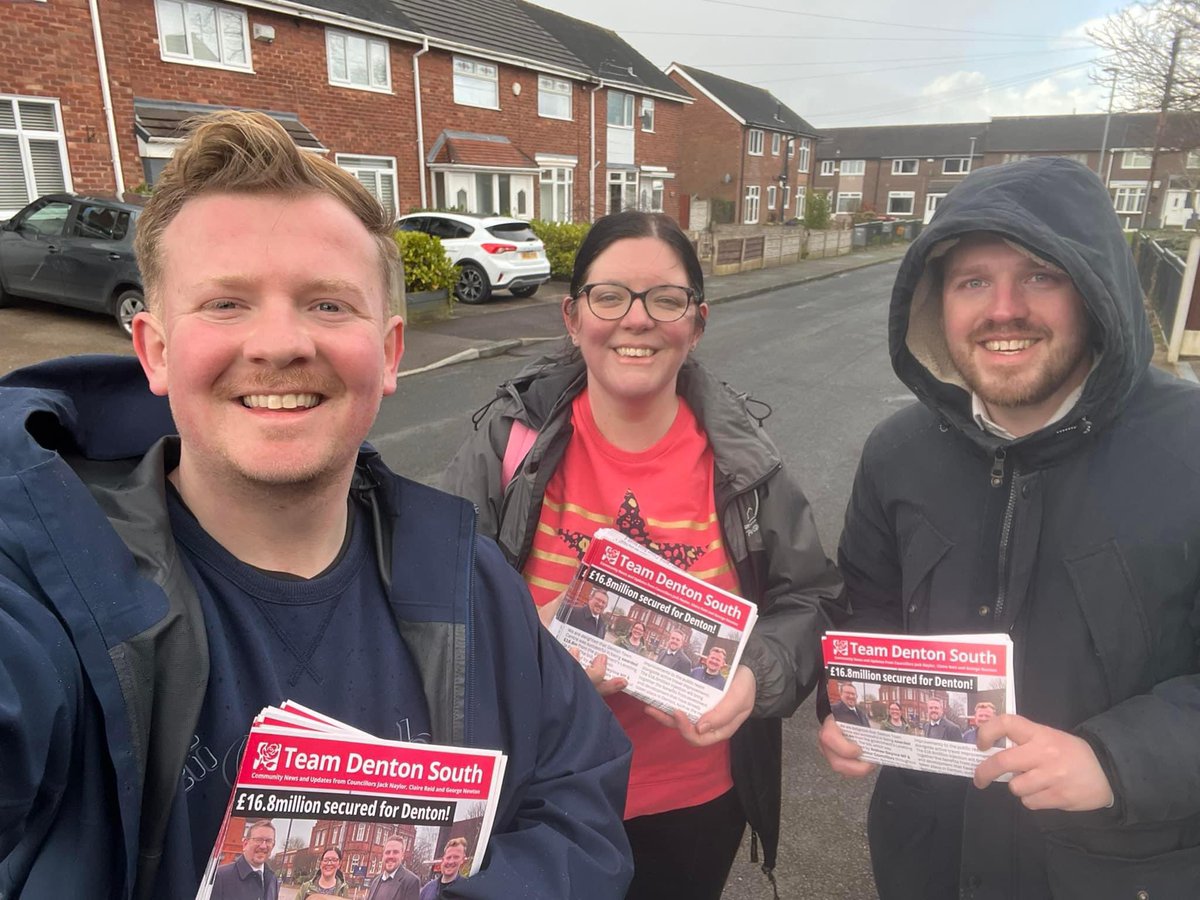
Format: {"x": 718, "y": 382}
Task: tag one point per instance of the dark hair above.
{"x": 336, "y": 850}
{"x": 634, "y": 223}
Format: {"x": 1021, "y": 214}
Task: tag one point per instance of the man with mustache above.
{"x": 194, "y": 534}
{"x": 1044, "y": 485}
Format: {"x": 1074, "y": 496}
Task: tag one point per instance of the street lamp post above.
{"x": 1107, "y": 119}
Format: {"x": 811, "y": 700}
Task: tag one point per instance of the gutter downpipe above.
{"x": 595, "y": 162}
{"x": 109, "y": 120}
{"x": 420, "y": 123}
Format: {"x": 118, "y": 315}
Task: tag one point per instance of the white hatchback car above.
{"x": 491, "y": 252}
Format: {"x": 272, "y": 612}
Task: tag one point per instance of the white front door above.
{"x": 1180, "y": 206}
{"x": 931, "y": 204}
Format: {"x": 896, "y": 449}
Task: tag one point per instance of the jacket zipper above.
{"x": 997, "y": 480}
{"x": 469, "y": 691}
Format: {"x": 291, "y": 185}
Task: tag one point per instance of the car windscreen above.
{"x": 517, "y": 232}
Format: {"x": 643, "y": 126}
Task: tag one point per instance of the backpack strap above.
{"x": 520, "y": 439}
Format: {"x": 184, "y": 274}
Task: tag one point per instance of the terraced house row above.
{"x": 500, "y": 107}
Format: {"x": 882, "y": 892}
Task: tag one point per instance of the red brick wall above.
{"x": 661, "y": 147}
{"x": 517, "y": 118}
{"x": 710, "y": 148}
{"x": 290, "y": 75}
{"x": 46, "y": 52}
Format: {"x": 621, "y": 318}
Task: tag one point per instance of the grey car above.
{"x": 76, "y": 251}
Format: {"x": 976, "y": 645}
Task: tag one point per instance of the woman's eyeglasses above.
{"x": 663, "y": 302}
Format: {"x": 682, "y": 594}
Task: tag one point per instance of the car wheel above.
{"x": 527, "y": 291}
{"x": 127, "y": 305}
{"x": 473, "y": 285}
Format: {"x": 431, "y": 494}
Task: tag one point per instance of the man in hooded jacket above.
{"x": 1045, "y": 485}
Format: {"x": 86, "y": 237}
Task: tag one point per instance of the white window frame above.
{"x": 559, "y": 176}
{"x": 772, "y": 196}
{"x": 555, "y": 89}
{"x": 627, "y": 179}
{"x": 1136, "y": 159}
{"x": 1129, "y": 198}
{"x": 828, "y": 167}
{"x": 373, "y": 165}
{"x": 775, "y": 141}
{"x": 805, "y": 154}
{"x": 23, "y": 137}
{"x": 849, "y": 195}
{"x": 853, "y": 167}
{"x": 899, "y": 166}
{"x": 625, "y": 118}
{"x": 750, "y": 204}
{"x": 1015, "y": 157}
{"x": 910, "y": 196}
{"x": 801, "y": 200}
{"x": 962, "y": 165}
{"x": 754, "y": 142}
{"x": 469, "y": 73}
{"x": 189, "y": 57}
{"x": 1192, "y": 160}
{"x": 370, "y": 46}
{"x": 647, "y": 114}
{"x": 787, "y": 199}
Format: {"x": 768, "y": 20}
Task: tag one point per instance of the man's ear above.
{"x": 393, "y": 351}
{"x": 150, "y": 345}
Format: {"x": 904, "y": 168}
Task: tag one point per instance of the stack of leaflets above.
{"x": 917, "y": 701}
{"x": 321, "y": 783}
{"x": 689, "y": 636}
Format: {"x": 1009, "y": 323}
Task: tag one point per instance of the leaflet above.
{"x": 308, "y": 783}
{"x": 915, "y": 701}
{"x": 676, "y": 639}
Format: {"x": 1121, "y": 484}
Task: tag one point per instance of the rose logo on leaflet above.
{"x": 267, "y": 757}
{"x": 610, "y": 555}
{"x": 841, "y": 647}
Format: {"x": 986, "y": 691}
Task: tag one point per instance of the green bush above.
{"x": 426, "y": 267}
{"x": 816, "y": 211}
{"x": 562, "y": 240}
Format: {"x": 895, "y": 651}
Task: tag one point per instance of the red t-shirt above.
{"x": 663, "y": 498}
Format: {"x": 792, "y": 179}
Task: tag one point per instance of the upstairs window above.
{"x": 775, "y": 141}
{"x": 476, "y": 83}
{"x": 956, "y": 165}
{"x": 805, "y": 151}
{"x": 647, "y": 115}
{"x": 828, "y": 167}
{"x": 357, "y": 61}
{"x": 554, "y": 98}
{"x": 205, "y": 34}
{"x": 620, "y": 109}
{"x": 755, "y": 143}
{"x": 1135, "y": 159}
{"x": 904, "y": 167}
{"x": 853, "y": 166}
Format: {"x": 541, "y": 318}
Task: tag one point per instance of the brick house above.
{"x": 427, "y": 102}
{"x": 741, "y": 146}
{"x": 895, "y": 170}
{"x": 1169, "y": 196}
{"x": 877, "y": 168}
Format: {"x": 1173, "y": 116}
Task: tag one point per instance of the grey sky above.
{"x": 929, "y": 61}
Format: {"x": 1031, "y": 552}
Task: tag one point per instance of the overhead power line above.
{"x": 891, "y": 38}
{"x": 859, "y": 21}
{"x": 915, "y": 65}
{"x": 957, "y": 57}
{"x": 879, "y": 110}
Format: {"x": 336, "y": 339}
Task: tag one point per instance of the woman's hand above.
{"x": 720, "y": 722}
{"x": 547, "y": 613}
{"x": 595, "y": 671}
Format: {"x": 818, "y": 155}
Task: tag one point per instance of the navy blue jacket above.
{"x": 104, "y": 663}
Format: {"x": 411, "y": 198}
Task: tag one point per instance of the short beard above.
{"x": 1027, "y": 388}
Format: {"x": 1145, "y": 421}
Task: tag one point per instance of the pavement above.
{"x": 473, "y": 332}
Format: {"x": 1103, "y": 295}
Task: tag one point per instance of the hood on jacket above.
{"x": 1058, "y": 211}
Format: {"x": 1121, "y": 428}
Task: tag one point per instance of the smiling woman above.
{"x": 633, "y": 434}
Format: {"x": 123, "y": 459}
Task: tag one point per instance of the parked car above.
{"x": 74, "y": 250}
{"x": 491, "y": 252}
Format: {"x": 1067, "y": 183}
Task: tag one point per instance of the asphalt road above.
{"x": 817, "y": 354}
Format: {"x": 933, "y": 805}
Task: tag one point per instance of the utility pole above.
{"x": 1161, "y": 127}
{"x": 1107, "y": 119}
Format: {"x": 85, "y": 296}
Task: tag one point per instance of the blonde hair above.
{"x": 241, "y": 152}
{"x": 456, "y": 842}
